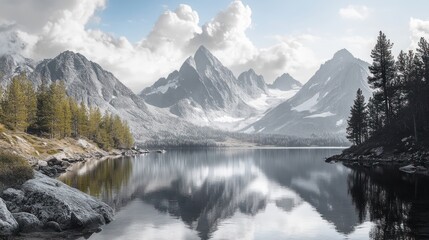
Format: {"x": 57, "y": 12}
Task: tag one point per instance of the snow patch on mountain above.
{"x": 339, "y": 122}
{"x": 321, "y": 105}
{"x": 307, "y": 105}
{"x": 321, "y": 115}
{"x": 206, "y": 93}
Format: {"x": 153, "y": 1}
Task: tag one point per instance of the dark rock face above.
{"x": 8, "y": 224}
{"x": 12, "y": 65}
{"x": 13, "y": 199}
{"x": 46, "y": 204}
{"x": 27, "y": 222}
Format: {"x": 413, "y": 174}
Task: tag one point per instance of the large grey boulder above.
{"x": 8, "y": 224}
{"x": 51, "y": 200}
{"x": 27, "y": 222}
{"x": 13, "y": 199}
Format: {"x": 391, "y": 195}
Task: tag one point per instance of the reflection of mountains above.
{"x": 322, "y": 185}
{"x": 203, "y": 194}
{"x": 205, "y": 187}
{"x": 213, "y": 190}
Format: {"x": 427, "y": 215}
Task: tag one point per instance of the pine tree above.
{"x": 357, "y": 122}
{"x": 43, "y": 109}
{"x": 58, "y": 116}
{"x": 83, "y": 121}
{"x": 66, "y": 118}
{"x": 94, "y": 124}
{"x": 30, "y": 102}
{"x": 13, "y": 105}
{"x": 422, "y": 59}
{"x": 383, "y": 73}
{"x": 128, "y": 137}
{"x": 375, "y": 115}
{"x": 118, "y": 132}
{"x": 74, "y": 121}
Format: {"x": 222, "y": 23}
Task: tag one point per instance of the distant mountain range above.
{"x": 203, "y": 92}
{"x": 322, "y": 105}
{"x": 207, "y": 93}
{"x": 86, "y": 81}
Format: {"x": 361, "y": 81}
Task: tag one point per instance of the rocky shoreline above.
{"x": 44, "y": 207}
{"x": 409, "y": 158}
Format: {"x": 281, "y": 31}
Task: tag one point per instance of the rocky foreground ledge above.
{"x": 47, "y": 207}
{"x": 407, "y": 156}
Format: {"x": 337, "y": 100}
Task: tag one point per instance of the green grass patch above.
{"x": 14, "y": 169}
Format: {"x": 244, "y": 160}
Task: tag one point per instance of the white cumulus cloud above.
{"x": 55, "y": 26}
{"x": 355, "y": 12}
{"x": 419, "y": 28}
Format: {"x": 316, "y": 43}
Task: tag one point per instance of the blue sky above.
{"x": 141, "y": 41}
{"x": 135, "y": 19}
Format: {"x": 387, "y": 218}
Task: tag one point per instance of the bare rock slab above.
{"x": 51, "y": 200}
{"x": 8, "y": 224}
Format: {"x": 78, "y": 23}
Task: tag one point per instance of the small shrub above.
{"x": 14, "y": 169}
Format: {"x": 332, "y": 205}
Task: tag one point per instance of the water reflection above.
{"x": 397, "y": 203}
{"x": 252, "y": 194}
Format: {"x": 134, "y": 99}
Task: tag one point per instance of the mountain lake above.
{"x": 268, "y": 193}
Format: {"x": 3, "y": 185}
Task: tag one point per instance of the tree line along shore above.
{"x": 393, "y": 126}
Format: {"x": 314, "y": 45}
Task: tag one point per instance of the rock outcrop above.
{"x": 8, "y": 224}
{"x": 52, "y": 200}
{"x": 46, "y": 204}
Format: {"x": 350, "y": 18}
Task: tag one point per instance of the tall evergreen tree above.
{"x": 423, "y": 71}
{"x": 13, "y": 105}
{"x": 83, "y": 121}
{"x": 74, "y": 121}
{"x": 30, "y": 101}
{"x": 357, "y": 123}
{"x": 43, "y": 109}
{"x": 383, "y": 73}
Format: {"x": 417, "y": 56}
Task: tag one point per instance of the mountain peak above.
{"x": 203, "y": 57}
{"x": 202, "y": 49}
{"x": 251, "y": 71}
{"x": 203, "y": 52}
{"x": 286, "y": 82}
{"x": 343, "y": 53}
{"x": 70, "y": 54}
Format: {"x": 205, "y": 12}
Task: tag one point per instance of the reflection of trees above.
{"x": 103, "y": 179}
{"x": 394, "y": 201}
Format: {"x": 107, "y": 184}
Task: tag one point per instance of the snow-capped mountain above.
{"x": 252, "y": 84}
{"x": 285, "y": 83}
{"x": 207, "y": 93}
{"x": 88, "y": 82}
{"x": 14, "y": 64}
{"x": 322, "y": 105}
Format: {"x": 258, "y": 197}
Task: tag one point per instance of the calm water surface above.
{"x": 254, "y": 194}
